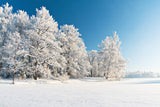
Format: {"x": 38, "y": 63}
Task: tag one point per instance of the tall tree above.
{"x": 21, "y": 22}
{"x": 44, "y": 48}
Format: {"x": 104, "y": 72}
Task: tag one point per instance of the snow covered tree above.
{"x": 14, "y": 48}
{"x": 21, "y": 23}
{"x": 73, "y": 50}
{"x": 10, "y": 42}
{"x": 112, "y": 63}
{"x": 44, "y": 49}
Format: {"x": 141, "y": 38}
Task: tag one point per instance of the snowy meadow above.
{"x": 88, "y": 92}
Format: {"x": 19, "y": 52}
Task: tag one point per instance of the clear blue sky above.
{"x": 136, "y": 21}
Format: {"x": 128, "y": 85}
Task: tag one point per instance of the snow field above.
{"x": 90, "y": 92}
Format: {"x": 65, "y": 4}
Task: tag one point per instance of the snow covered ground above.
{"x": 95, "y": 92}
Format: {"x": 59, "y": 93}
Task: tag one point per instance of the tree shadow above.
{"x": 93, "y": 79}
{"x": 5, "y": 82}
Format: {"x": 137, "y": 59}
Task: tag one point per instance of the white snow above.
{"x": 89, "y": 92}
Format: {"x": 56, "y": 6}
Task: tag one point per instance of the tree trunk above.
{"x": 29, "y": 59}
{"x": 1, "y": 66}
{"x": 106, "y": 75}
{"x": 14, "y": 74}
{"x": 67, "y": 69}
{"x": 91, "y": 73}
{"x": 35, "y": 74}
{"x": 13, "y": 77}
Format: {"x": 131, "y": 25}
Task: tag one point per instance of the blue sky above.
{"x": 136, "y": 21}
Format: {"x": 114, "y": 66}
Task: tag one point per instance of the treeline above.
{"x": 141, "y": 74}
{"x": 36, "y": 47}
